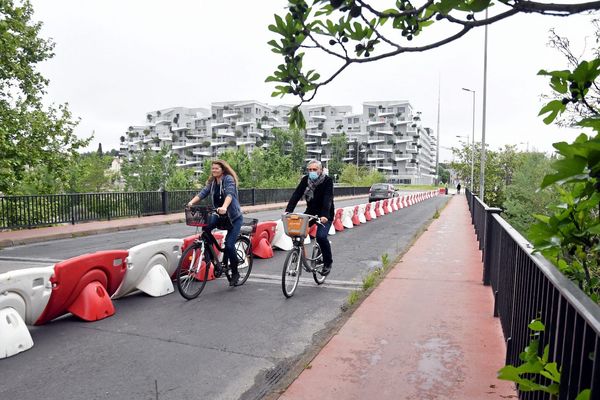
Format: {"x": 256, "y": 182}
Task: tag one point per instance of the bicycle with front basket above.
{"x": 205, "y": 254}
{"x": 296, "y": 226}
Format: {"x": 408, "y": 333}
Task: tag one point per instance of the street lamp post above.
{"x": 472, "y": 141}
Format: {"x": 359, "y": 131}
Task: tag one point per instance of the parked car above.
{"x": 382, "y": 191}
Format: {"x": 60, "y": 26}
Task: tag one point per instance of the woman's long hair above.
{"x": 226, "y": 170}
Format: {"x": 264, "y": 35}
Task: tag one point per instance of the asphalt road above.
{"x": 229, "y": 343}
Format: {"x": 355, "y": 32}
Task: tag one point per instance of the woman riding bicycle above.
{"x": 317, "y": 189}
{"x": 222, "y": 187}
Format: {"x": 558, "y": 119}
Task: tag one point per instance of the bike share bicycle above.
{"x": 205, "y": 257}
{"x": 296, "y": 226}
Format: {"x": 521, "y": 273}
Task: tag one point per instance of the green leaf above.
{"x": 584, "y": 395}
{"x": 551, "y": 372}
{"x": 536, "y": 325}
{"x": 554, "y": 108}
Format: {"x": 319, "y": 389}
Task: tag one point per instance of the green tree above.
{"x": 361, "y": 176}
{"x": 339, "y": 150}
{"x": 444, "y": 173}
{"x": 570, "y": 235}
{"x": 357, "y": 31}
{"x": 30, "y": 133}
{"x": 522, "y": 201}
{"x": 148, "y": 171}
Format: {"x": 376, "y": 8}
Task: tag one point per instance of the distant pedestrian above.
{"x": 458, "y": 188}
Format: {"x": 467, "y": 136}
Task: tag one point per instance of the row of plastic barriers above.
{"x": 86, "y": 286}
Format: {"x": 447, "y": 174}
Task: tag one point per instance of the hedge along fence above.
{"x": 43, "y": 210}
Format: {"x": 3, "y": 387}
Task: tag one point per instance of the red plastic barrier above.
{"x": 83, "y": 285}
{"x": 337, "y": 220}
{"x": 312, "y": 231}
{"x": 261, "y": 241}
{"x": 386, "y": 210}
{"x": 368, "y": 212}
{"x": 378, "y": 209}
{"x": 355, "y": 219}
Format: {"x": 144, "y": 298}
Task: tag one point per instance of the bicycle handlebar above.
{"x": 316, "y": 218}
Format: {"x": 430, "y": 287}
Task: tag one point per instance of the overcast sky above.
{"x": 118, "y": 59}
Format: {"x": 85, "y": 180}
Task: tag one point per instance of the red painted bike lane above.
{"x": 426, "y": 332}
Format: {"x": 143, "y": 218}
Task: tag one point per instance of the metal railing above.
{"x": 43, "y": 210}
{"x": 527, "y": 286}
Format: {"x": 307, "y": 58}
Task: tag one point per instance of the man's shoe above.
{"x": 326, "y": 269}
{"x": 235, "y": 280}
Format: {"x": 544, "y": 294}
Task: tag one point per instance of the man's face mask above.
{"x": 313, "y": 175}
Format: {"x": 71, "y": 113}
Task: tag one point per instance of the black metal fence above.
{"x": 527, "y": 286}
{"x": 43, "y": 210}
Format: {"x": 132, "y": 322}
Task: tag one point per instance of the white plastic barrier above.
{"x": 347, "y": 217}
{"x": 150, "y": 266}
{"x": 372, "y": 210}
{"x": 331, "y": 230}
{"x": 389, "y": 206}
{"x": 281, "y": 240}
{"x": 24, "y": 295}
{"x": 361, "y": 213}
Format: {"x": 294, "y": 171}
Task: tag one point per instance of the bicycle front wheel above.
{"x": 317, "y": 264}
{"x": 243, "y": 249}
{"x": 291, "y": 272}
{"x": 192, "y": 272}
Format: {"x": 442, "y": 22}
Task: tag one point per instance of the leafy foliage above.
{"x": 536, "y": 372}
{"x": 339, "y": 149}
{"x": 570, "y": 236}
{"x": 521, "y": 200}
{"x": 149, "y": 171}
{"x": 355, "y": 31}
{"x": 30, "y": 135}
{"x": 361, "y": 176}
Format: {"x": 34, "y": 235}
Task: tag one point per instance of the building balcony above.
{"x": 225, "y": 133}
{"x": 386, "y": 149}
{"x": 163, "y": 121}
{"x": 401, "y": 158}
{"x": 203, "y": 153}
{"x": 180, "y": 128}
{"x": 315, "y": 151}
{"x": 217, "y": 125}
{"x": 314, "y": 134}
{"x": 244, "y": 142}
{"x": 267, "y": 126}
{"x": 256, "y": 133}
{"x": 375, "y": 123}
{"x": 184, "y": 145}
{"x": 243, "y": 123}
{"x": 385, "y": 167}
{"x": 401, "y": 122}
{"x": 375, "y": 141}
{"x": 310, "y": 143}
{"x": 320, "y": 117}
{"x": 166, "y": 138}
{"x": 399, "y": 141}
{"x": 386, "y": 114}
{"x": 375, "y": 158}
{"x": 324, "y": 142}
{"x": 412, "y": 149}
{"x": 230, "y": 114}
{"x": 384, "y": 132}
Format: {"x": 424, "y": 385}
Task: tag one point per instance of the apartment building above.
{"x": 387, "y": 135}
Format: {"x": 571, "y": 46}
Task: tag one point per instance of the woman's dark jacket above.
{"x": 322, "y": 202}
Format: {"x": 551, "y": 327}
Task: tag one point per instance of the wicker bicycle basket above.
{"x": 197, "y": 215}
{"x": 295, "y": 225}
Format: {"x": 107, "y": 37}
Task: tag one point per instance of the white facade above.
{"x": 387, "y": 135}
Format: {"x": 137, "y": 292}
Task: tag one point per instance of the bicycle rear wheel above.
{"x": 243, "y": 248}
{"x": 317, "y": 264}
{"x": 291, "y": 272}
{"x": 192, "y": 272}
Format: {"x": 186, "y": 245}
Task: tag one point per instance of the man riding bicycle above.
{"x": 317, "y": 190}
{"x": 222, "y": 187}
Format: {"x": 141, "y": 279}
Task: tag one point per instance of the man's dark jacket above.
{"x": 321, "y": 204}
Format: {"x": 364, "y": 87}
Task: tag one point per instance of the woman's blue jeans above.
{"x": 232, "y": 234}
